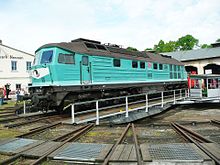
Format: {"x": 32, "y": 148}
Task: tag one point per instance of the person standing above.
{"x": 7, "y": 88}
{"x": 17, "y": 94}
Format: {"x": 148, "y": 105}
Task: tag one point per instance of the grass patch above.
{"x": 9, "y": 133}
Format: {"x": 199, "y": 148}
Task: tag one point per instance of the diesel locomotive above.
{"x": 85, "y": 69}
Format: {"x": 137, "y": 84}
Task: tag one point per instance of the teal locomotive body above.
{"x": 85, "y": 69}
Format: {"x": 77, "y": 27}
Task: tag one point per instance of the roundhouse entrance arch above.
{"x": 212, "y": 68}
{"x": 191, "y": 69}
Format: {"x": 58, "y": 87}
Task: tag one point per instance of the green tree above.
{"x": 148, "y": 49}
{"x": 131, "y": 49}
{"x": 159, "y": 47}
{"x": 165, "y": 47}
{"x": 169, "y": 46}
{"x": 187, "y": 42}
{"x": 218, "y": 40}
{"x": 203, "y": 46}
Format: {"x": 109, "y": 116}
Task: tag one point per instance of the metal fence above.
{"x": 170, "y": 96}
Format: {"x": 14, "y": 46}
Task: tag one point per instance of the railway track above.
{"x": 15, "y": 118}
{"x": 197, "y": 139}
{"x": 74, "y": 135}
{"x": 31, "y": 120}
{"x": 216, "y": 122}
{"x": 131, "y": 131}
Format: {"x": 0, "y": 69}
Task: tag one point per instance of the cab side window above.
{"x": 66, "y": 58}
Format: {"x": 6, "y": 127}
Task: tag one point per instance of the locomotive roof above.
{"x": 91, "y": 47}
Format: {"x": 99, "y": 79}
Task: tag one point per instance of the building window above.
{"x": 155, "y": 65}
{"x": 142, "y": 65}
{"x": 17, "y": 86}
{"x": 116, "y": 63}
{"x": 28, "y": 65}
{"x": 160, "y": 66}
{"x": 13, "y": 65}
{"x": 134, "y": 64}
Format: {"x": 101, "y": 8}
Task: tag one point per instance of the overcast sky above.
{"x": 28, "y": 24}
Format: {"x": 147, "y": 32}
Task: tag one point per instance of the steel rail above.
{"x": 196, "y": 136}
{"x": 7, "y": 115}
{"x": 18, "y": 155}
{"x": 31, "y": 121}
{"x": 39, "y": 130}
{"x": 73, "y": 138}
{"x": 190, "y": 138}
{"x": 11, "y": 119}
{"x": 116, "y": 144}
{"x": 43, "y": 126}
{"x": 63, "y": 137}
{"x": 137, "y": 148}
{"x": 7, "y": 112}
{"x": 24, "y": 122}
{"x": 24, "y": 117}
{"x": 217, "y": 122}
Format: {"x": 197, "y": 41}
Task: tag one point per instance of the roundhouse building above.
{"x": 15, "y": 68}
{"x": 200, "y": 61}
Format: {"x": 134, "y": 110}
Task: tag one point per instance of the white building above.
{"x": 14, "y": 67}
{"x": 200, "y": 61}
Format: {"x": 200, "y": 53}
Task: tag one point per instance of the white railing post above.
{"x": 126, "y": 108}
{"x": 188, "y": 92}
{"x": 180, "y": 93}
{"x": 185, "y": 93}
{"x": 161, "y": 99}
{"x": 146, "y": 110}
{"x": 73, "y": 113}
{"x": 174, "y": 97}
{"x": 97, "y": 112}
{"x": 24, "y": 107}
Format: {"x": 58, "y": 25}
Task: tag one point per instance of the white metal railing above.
{"x": 126, "y": 112}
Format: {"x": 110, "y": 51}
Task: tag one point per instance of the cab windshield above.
{"x": 46, "y": 57}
